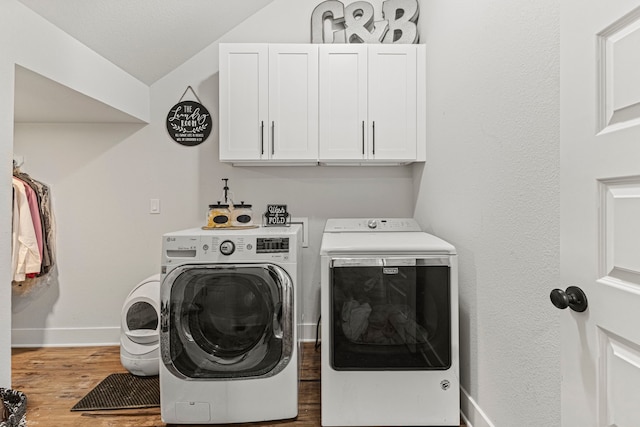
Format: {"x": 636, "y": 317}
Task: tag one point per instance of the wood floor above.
{"x": 55, "y": 379}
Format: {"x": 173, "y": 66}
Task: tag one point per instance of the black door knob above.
{"x": 573, "y": 297}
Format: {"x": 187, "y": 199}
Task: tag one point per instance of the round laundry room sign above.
{"x": 189, "y": 123}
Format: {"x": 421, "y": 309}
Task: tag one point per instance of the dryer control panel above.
{"x": 355, "y": 225}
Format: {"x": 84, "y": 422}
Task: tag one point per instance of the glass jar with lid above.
{"x": 219, "y": 216}
{"x": 241, "y": 215}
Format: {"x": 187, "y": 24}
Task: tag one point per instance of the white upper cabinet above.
{"x": 392, "y": 102}
{"x": 269, "y": 103}
{"x": 343, "y": 102}
{"x": 331, "y": 103}
{"x": 243, "y": 101}
{"x": 293, "y": 101}
{"x": 372, "y": 103}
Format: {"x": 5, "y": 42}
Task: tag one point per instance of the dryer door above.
{"x": 390, "y": 313}
{"x": 226, "y": 321}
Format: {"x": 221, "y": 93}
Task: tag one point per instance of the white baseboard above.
{"x": 472, "y": 414}
{"x": 308, "y": 332}
{"x": 64, "y": 337}
{"x": 466, "y": 421}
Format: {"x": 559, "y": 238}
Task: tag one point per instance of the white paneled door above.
{"x": 600, "y": 212}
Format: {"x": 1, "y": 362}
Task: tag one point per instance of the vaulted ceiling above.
{"x": 146, "y": 38}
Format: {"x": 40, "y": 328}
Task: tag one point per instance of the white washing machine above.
{"x": 389, "y": 310}
{"x": 229, "y": 314}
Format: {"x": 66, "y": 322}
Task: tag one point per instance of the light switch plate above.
{"x": 154, "y": 206}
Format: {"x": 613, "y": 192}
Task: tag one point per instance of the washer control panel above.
{"x": 277, "y": 244}
{"x": 227, "y": 247}
{"x": 269, "y": 245}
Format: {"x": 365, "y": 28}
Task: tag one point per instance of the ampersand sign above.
{"x": 332, "y": 22}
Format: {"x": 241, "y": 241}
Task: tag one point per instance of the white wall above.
{"x": 37, "y": 45}
{"x": 6, "y": 130}
{"x": 490, "y": 186}
{"x": 102, "y": 177}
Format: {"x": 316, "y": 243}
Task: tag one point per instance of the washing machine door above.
{"x": 226, "y": 321}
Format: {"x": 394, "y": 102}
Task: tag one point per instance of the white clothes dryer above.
{"x": 229, "y": 338}
{"x": 389, "y": 310}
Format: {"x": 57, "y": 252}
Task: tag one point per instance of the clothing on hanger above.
{"x": 33, "y": 254}
{"x": 25, "y": 253}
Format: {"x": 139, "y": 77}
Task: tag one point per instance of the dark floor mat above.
{"x": 122, "y": 391}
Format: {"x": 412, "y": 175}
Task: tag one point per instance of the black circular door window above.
{"x": 232, "y": 316}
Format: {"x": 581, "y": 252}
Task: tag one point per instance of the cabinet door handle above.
{"x": 273, "y": 138}
{"x": 373, "y": 140}
{"x": 262, "y": 138}
{"x": 363, "y": 137}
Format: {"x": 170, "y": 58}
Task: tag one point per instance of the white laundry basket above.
{"x": 139, "y": 328}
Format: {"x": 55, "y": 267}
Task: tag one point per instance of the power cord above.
{"x": 317, "y": 346}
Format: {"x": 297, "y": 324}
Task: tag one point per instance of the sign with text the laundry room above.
{"x": 333, "y": 22}
{"x": 189, "y": 122}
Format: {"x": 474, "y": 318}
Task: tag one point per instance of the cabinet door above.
{"x": 293, "y": 102}
{"x": 392, "y": 102}
{"x": 343, "y": 102}
{"x": 243, "y": 101}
